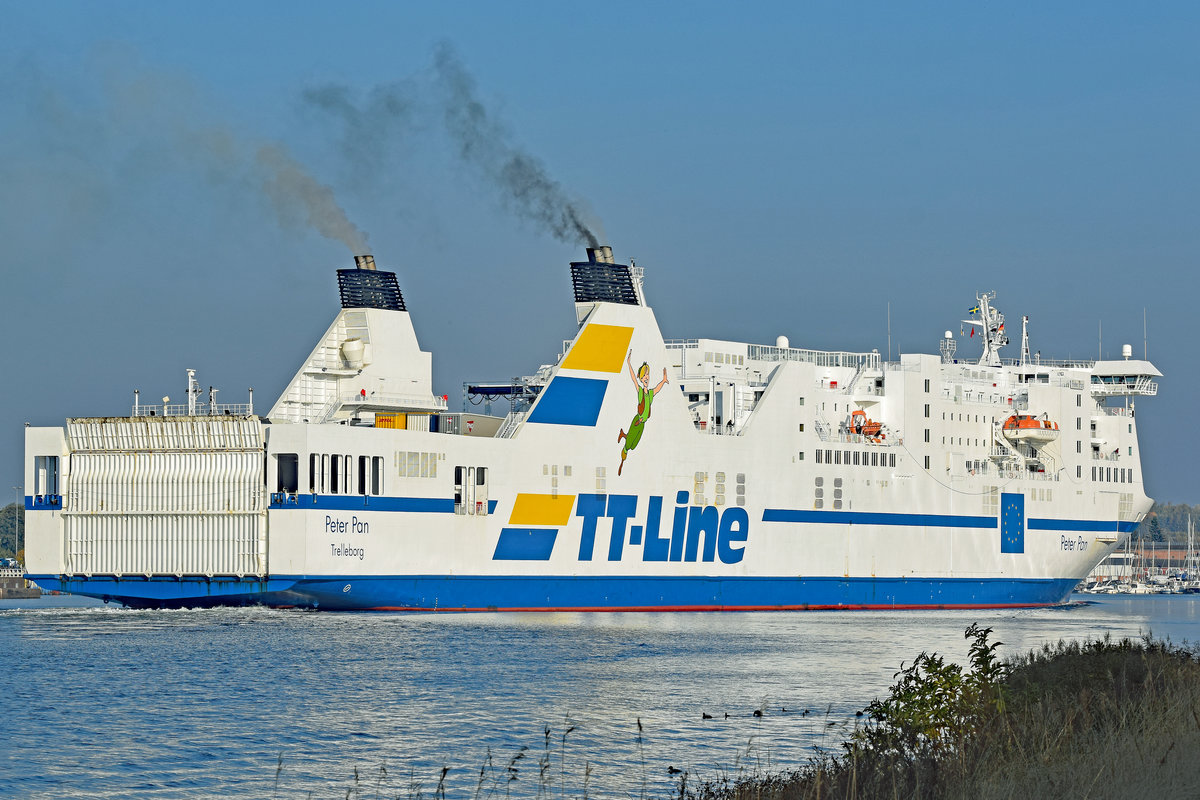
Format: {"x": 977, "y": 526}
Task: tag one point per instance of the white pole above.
{"x": 889, "y": 321}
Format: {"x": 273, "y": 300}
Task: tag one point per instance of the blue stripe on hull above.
{"x": 876, "y": 518}
{"x": 482, "y": 593}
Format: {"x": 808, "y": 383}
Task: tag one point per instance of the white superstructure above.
{"x": 634, "y": 472}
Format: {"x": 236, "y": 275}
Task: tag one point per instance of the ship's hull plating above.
{"x": 521, "y": 593}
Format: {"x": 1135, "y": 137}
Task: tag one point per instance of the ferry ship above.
{"x": 633, "y": 473}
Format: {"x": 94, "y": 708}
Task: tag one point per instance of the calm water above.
{"x": 107, "y": 702}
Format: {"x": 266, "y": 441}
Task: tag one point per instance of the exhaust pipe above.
{"x": 600, "y": 255}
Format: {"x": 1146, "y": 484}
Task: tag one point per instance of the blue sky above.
{"x": 777, "y": 168}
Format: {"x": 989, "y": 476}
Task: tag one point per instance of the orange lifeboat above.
{"x": 868, "y": 428}
{"x": 1025, "y": 428}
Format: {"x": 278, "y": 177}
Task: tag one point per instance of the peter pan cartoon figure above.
{"x": 641, "y": 380}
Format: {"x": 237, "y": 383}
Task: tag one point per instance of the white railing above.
{"x": 1060, "y": 363}
{"x": 511, "y": 422}
{"x": 822, "y": 358}
{"x": 201, "y": 410}
{"x": 1142, "y": 386}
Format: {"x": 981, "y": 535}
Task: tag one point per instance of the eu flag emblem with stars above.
{"x": 1012, "y": 523}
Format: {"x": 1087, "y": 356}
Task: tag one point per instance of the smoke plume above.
{"x": 484, "y": 143}
{"x": 295, "y": 194}
{"x": 128, "y": 123}
{"x": 372, "y": 129}
{"x": 390, "y": 113}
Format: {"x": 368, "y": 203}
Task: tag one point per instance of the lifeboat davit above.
{"x": 1023, "y": 428}
{"x": 868, "y": 428}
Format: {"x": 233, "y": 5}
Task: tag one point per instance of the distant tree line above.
{"x": 10, "y": 516}
{"x": 1168, "y": 522}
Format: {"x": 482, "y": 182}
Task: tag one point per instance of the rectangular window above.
{"x": 460, "y": 474}
{"x": 828, "y": 456}
{"x": 846, "y": 457}
{"x": 1131, "y": 476}
{"x": 837, "y": 456}
{"x": 1079, "y": 446}
{"x": 1078, "y": 472}
{"x": 287, "y": 472}
{"x": 364, "y": 473}
{"x": 1078, "y": 423}
{"x": 1093, "y": 473}
{"x": 927, "y": 385}
{"x": 856, "y": 458}
{"x": 377, "y": 475}
{"x": 819, "y": 461}
{"x": 478, "y": 492}
{"x": 926, "y": 462}
{"x": 802, "y": 427}
{"x": 336, "y": 475}
{"x": 927, "y": 436}
{"x": 1079, "y": 400}
{"x": 801, "y": 455}
{"x": 46, "y": 475}
{"x": 927, "y": 411}
{"x": 874, "y": 459}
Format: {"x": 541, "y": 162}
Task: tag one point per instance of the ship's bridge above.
{"x": 1124, "y": 378}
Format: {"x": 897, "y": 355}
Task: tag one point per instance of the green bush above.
{"x": 1093, "y": 719}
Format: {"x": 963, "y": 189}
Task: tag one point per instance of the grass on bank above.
{"x": 1094, "y": 719}
{"x": 1097, "y": 719}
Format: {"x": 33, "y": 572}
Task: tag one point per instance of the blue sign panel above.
{"x": 1012, "y": 523}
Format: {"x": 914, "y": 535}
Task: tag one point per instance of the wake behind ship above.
{"x": 633, "y": 473}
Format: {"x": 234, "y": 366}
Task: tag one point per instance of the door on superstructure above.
{"x": 481, "y": 490}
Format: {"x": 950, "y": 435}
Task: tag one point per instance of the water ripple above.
{"x": 206, "y": 703}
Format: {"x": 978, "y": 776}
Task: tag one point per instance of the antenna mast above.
{"x": 991, "y": 325}
{"x": 1024, "y": 340}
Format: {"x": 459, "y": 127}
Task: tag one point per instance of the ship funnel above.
{"x": 600, "y": 255}
{"x": 367, "y": 287}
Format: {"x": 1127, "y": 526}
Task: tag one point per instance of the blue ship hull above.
{"x": 516, "y": 593}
